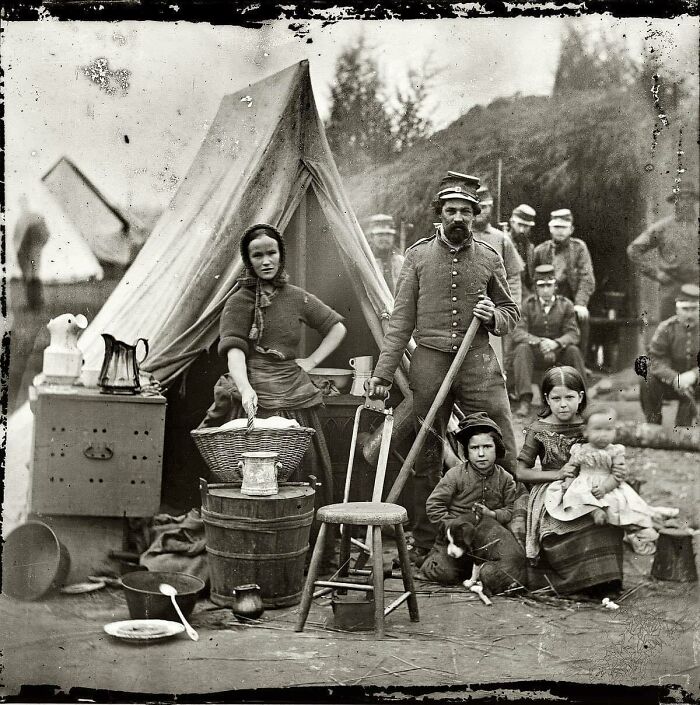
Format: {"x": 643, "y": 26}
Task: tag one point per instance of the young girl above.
{"x": 575, "y": 554}
{"x": 479, "y": 484}
{"x": 595, "y": 490}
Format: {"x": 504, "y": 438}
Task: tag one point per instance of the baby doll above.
{"x": 595, "y": 489}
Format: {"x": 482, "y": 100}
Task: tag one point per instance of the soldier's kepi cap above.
{"x": 544, "y": 274}
{"x": 456, "y": 185}
{"x": 380, "y": 223}
{"x": 563, "y": 216}
{"x": 524, "y": 214}
{"x": 689, "y": 293}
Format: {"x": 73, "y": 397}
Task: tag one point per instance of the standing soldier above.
{"x": 30, "y": 236}
{"x": 483, "y": 230}
{"x": 446, "y": 279}
{"x": 573, "y": 267}
{"x": 381, "y": 234}
{"x": 521, "y": 222}
{"x": 675, "y": 239}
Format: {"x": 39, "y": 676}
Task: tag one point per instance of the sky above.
{"x": 136, "y": 141}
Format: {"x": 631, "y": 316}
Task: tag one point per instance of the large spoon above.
{"x": 170, "y": 591}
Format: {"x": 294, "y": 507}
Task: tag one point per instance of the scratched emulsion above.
{"x": 641, "y": 366}
{"x": 110, "y": 81}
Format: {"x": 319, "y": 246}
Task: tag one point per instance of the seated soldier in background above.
{"x": 573, "y": 267}
{"x": 673, "y": 353}
{"x": 547, "y": 334}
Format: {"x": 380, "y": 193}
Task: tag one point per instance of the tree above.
{"x": 365, "y": 126}
{"x": 359, "y": 128}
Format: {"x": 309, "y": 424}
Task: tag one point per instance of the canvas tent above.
{"x": 66, "y": 258}
{"x": 264, "y": 159}
{"x": 104, "y": 227}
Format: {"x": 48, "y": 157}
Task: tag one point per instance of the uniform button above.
{"x": 454, "y": 347}
{"x": 454, "y": 324}
{"x": 454, "y": 335}
{"x": 454, "y": 286}
{"x": 455, "y": 260}
{"x": 454, "y": 273}
{"x": 454, "y": 298}
{"x": 452, "y": 252}
{"x": 454, "y": 311}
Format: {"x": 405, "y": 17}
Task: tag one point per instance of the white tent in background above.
{"x": 66, "y": 258}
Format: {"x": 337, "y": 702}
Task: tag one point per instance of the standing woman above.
{"x": 260, "y": 332}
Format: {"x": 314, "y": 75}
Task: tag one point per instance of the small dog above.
{"x": 496, "y": 557}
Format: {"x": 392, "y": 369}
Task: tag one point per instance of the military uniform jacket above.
{"x": 673, "y": 349}
{"x": 578, "y": 275}
{"x": 509, "y": 254}
{"x": 558, "y": 324}
{"x": 438, "y": 287}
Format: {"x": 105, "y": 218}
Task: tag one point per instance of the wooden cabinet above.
{"x": 96, "y": 454}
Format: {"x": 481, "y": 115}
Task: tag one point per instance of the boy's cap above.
{"x": 563, "y": 216}
{"x": 689, "y": 293}
{"x": 476, "y": 423}
{"x": 524, "y": 214}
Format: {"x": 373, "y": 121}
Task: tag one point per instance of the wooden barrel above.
{"x": 260, "y": 540}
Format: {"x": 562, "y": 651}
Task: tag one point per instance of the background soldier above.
{"x": 521, "y": 223}
{"x": 381, "y": 235}
{"x": 675, "y": 240}
{"x": 573, "y": 267}
{"x": 547, "y": 334}
{"x": 673, "y": 372}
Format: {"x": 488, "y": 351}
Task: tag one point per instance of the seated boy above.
{"x": 478, "y": 484}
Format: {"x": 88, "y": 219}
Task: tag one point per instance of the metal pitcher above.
{"x": 120, "y": 368}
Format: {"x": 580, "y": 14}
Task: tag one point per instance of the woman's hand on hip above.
{"x": 305, "y": 363}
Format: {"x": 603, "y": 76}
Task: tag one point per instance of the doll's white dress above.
{"x": 622, "y": 505}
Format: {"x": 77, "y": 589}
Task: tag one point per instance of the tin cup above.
{"x": 362, "y": 365}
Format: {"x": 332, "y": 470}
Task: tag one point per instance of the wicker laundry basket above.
{"x": 222, "y": 449}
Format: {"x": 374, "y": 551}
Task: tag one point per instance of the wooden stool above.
{"x": 373, "y": 515}
{"x": 674, "y": 558}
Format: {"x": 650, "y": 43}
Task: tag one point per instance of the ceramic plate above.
{"x": 144, "y": 629}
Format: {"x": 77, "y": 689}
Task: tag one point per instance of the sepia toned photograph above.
{"x": 350, "y": 360}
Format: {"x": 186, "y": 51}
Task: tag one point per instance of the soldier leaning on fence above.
{"x": 573, "y": 267}
{"x": 448, "y": 278}
{"x": 673, "y": 352}
{"x": 675, "y": 240}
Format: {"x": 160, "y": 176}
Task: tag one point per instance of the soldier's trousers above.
{"x": 652, "y": 393}
{"x": 478, "y": 386}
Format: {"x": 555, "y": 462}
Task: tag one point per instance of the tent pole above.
{"x": 301, "y": 256}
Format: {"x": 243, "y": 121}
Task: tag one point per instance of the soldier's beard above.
{"x": 457, "y": 233}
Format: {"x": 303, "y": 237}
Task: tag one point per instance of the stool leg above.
{"x": 344, "y": 554}
{"x": 378, "y": 579}
{"x": 406, "y": 573}
{"x": 308, "y": 592}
